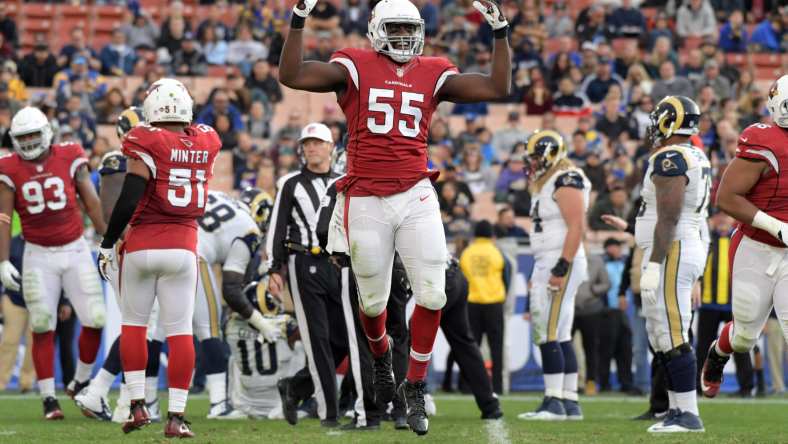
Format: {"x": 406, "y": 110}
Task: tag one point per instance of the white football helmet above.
{"x": 168, "y": 101}
{"x": 778, "y": 101}
{"x": 400, "y": 48}
{"x": 30, "y": 120}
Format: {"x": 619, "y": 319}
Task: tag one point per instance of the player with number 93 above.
{"x": 42, "y": 182}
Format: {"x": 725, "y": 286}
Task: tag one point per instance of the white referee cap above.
{"x": 316, "y": 131}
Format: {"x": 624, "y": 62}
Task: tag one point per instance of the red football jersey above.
{"x": 767, "y": 143}
{"x": 388, "y": 107}
{"x": 180, "y": 165}
{"x": 45, "y": 194}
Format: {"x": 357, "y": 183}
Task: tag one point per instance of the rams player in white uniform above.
{"x": 228, "y": 236}
{"x": 560, "y": 199}
{"x": 669, "y": 228}
{"x": 256, "y": 362}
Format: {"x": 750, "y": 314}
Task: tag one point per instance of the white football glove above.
{"x": 775, "y": 227}
{"x": 649, "y": 283}
{"x": 492, "y": 13}
{"x": 269, "y": 328}
{"x": 105, "y": 259}
{"x": 304, "y": 7}
{"x": 9, "y": 275}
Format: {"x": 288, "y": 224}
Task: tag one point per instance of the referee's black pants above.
{"x": 487, "y": 319}
{"x": 327, "y": 313}
{"x": 457, "y": 329}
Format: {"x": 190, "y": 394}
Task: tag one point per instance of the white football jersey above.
{"x": 223, "y": 222}
{"x": 676, "y": 160}
{"x": 255, "y": 367}
{"x": 549, "y": 229}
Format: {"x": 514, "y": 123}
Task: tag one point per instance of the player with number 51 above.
{"x": 169, "y": 162}
{"x": 41, "y": 181}
{"x": 386, "y": 200}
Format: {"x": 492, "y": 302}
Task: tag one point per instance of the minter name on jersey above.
{"x": 189, "y": 156}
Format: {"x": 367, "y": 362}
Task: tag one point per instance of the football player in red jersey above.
{"x": 42, "y": 182}
{"x": 754, "y": 190}
{"x": 388, "y": 95}
{"x": 169, "y": 162}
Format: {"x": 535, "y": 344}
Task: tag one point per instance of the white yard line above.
{"x": 497, "y": 432}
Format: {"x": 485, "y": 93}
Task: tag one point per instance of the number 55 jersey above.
{"x": 676, "y": 160}
{"x": 45, "y": 194}
{"x": 180, "y": 165}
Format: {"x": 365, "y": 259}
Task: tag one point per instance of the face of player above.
{"x": 317, "y": 153}
{"x": 400, "y": 30}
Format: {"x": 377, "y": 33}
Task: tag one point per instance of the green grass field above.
{"x": 607, "y": 421}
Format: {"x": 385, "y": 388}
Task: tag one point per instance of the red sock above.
{"x": 44, "y": 354}
{"x": 89, "y": 342}
{"x": 133, "y": 347}
{"x": 724, "y": 341}
{"x": 375, "y": 329}
{"x": 423, "y": 329}
{"x": 181, "y": 361}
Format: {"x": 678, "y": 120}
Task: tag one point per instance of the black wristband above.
{"x": 501, "y": 33}
{"x": 133, "y": 188}
{"x": 297, "y": 22}
{"x": 561, "y": 268}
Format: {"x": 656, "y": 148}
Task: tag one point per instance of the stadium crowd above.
{"x": 593, "y": 73}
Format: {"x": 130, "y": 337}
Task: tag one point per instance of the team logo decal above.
{"x": 400, "y": 72}
{"x": 668, "y": 165}
{"x": 187, "y": 142}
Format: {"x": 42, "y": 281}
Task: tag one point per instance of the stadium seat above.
{"x": 217, "y": 71}
{"x": 769, "y": 59}
{"x": 692, "y": 42}
{"x": 736, "y": 59}
{"x": 36, "y": 25}
{"x": 768, "y": 73}
{"x": 72, "y": 11}
{"x": 38, "y": 10}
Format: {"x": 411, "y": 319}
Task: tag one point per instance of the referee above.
{"x": 294, "y": 253}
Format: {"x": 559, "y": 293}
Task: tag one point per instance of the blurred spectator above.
{"x": 473, "y": 172}
{"x": 482, "y": 63}
{"x": 108, "y": 109}
{"x": 615, "y": 334}
{"x": 693, "y": 67}
{"x": 17, "y": 89}
{"x": 641, "y": 116}
{"x": 214, "y": 48}
{"x": 237, "y": 92}
{"x": 455, "y": 210}
{"x": 220, "y": 106}
{"x": 77, "y": 48}
{"x": 189, "y": 59}
{"x": 567, "y": 102}
{"x": 220, "y": 31}
{"x": 6, "y": 101}
{"x": 590, "y": 24}
{"x": 141, "y": 31}
{"x": 695, "y": 18}
{"x": 463, "y": 191}
{"x": 117, "y": 58}
{"x": 711, "y": 76}
{"x": 292, "y": 129}
{"x": 589, "y": 305}
{"x": 733, "y": 34}
{"x": 595, "y": 87}
{"x": 355, "y": 17}
{"x": 669, "y": 84}
{"x": 8, "y": 27}
{"x": 38, "y": 68}
{"x": 538, "y": 99}
{"x": 724, "y": 8}
{"x": 559, "y": 23}
{"x": 628, "y": 56}
{"x": 6, "y": 49}
{"x": 529, "y": 26}
{"x": 638, "y": 78}
{"x": 90, "y": 82}
{"x": 579, "y": 152}
{"x": 627, "y": 21}
{"x": 768, "y": 35}
{"x": 262, "y": 83}
{"x": 662, "y": 29}
{"x": 244, "y": 50}
{"x": 505, "y": 138}
{"x": 325, "y": 17}
{"x": 489, "y": 274}
{"x": 258, "y": 121}
{"x": 506, "y": 226}
{"x": 512, "y": 184}
{"x": 173, "y": 28}
{"x": 324, "y": 48}
{"x": 616, "y": 202}
{"x": 662, "y": 51}
{"x": 612, "y": 123}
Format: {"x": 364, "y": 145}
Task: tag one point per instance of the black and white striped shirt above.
{"x": 295, "y": 213}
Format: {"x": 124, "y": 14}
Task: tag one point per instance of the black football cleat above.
{"x": 289, "y": 402}
{"x": 138, "y": 416}
{"x": 329, "y": 423}
{"x": 413, "y": 393}
{"x": 74, "y": 387}
{"x": 52, "y": 411}
{"x": 383, "y": 377}
{"x": 711, "y": 375}
{"x": 177, "y": 427}
{"x": 492, "y": 415}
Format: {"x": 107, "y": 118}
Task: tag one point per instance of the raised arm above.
{"x": 294, "y": 72}
{"x": 474, "y": 87}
